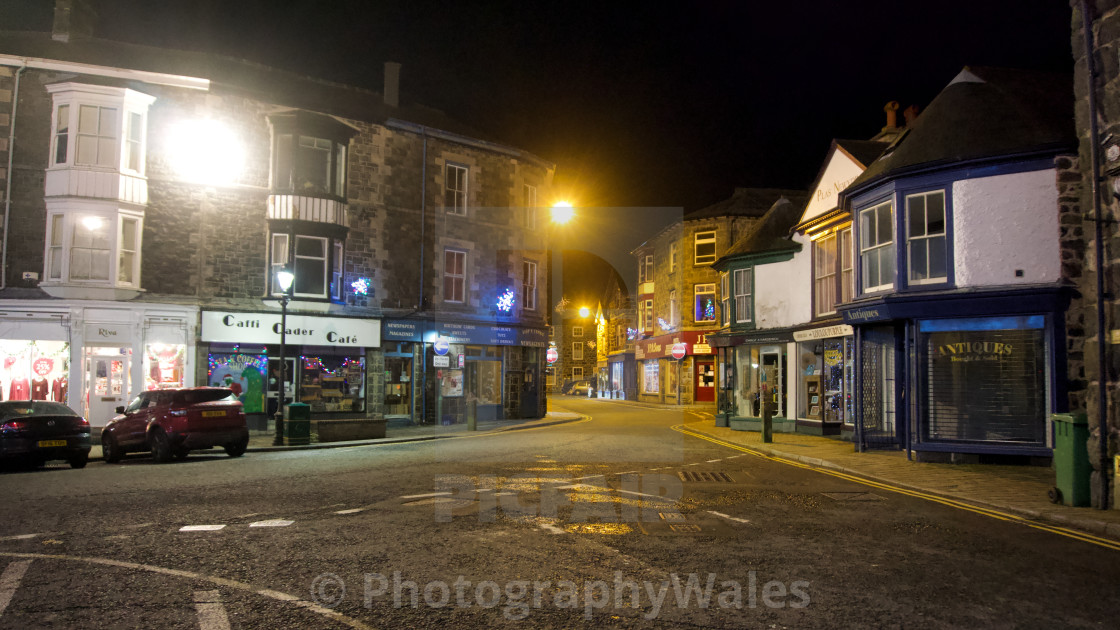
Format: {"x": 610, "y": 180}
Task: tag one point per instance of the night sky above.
{"x": 639, "y": 104}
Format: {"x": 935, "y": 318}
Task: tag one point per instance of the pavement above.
{"x": 1018, "y": 490}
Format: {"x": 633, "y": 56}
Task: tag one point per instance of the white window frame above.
{"x": 112, "y": 145}
{"x": 577, "y": 331}
{"x": 847, "y": 266}
{"x": 743, "y": 285}
{"x": 646, "y": 315}
{"x": 126, "y": 258}
{"x": 825, "y": 269}
{"x": 873, "y": 244}
{"x": 60, "y": 248}
{"x": 674, "y": 309}
{"x": 455, "y": 187}
{"x": 337, "y": 270}
{"x": 455, "y": 279}
{"x": 325, "y": 260}
{"x": 528, "y": 285}
{"x": 577, "y": 350}
{"x": 577, "y": 373}
{"x": 674, "y": 256}
{"x": 697, "y": 291}
{"x": 725, "y": 298}
{"x": 278, "y": 257}
{"x": 704, "y": 239}
{"x": 926, "y": 239}
{"x": 645, "y": 269}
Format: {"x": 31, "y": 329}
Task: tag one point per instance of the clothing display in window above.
{"x": 39, "y": 388}
{"x": 59, "y": 389}
{"x": 20, "y": 389}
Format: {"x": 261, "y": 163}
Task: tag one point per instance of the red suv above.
{"x": 171, "y": 422}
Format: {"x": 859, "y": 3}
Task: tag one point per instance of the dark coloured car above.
{"x": 36, "y": 431}
{"x": 172, "y": 422}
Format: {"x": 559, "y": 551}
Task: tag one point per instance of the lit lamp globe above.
{"x": 562, "y": 212}
{"x": 584, "y": 311}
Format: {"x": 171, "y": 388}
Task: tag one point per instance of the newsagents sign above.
{"x": 224, "y": 327}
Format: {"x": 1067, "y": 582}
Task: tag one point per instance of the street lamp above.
{"x": 284, "y": 280}
{"x": 562, "y": 213}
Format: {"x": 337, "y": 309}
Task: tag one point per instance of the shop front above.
{"x": 676, "y": 369}
{"x": 93, "y": 357}
{"x": 326, "y": 359}
{"x": 622, "y": 376}
{"x": 435, "y": 368}
{"x": 754, "y": 371}
{"x": 979, "y": 377}
{"x": 825, "y": 370}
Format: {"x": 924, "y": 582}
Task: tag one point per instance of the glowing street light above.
{"x": 284, "y": 280}
{"x": 207, "y": 152}
{"x": 562, "y": 212}
{"x": 584, "y": 311}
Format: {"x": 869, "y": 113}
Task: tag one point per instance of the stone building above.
{"x": 1090, "y": 230}
{"x": 152, "y": 195}
{"x": 678, "y": 296}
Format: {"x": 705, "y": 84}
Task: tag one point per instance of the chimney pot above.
{"x": 910, "y": 114}
{"x": 892, "y": 115}
{"x": 73, "y": 19}
{"x": 392, "y": 83}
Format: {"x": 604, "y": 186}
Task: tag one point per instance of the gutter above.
{"x": 159, "y": 78}
{"x": 8, "y": 178}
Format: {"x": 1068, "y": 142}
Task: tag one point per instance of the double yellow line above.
{"x": 960, "y": 505}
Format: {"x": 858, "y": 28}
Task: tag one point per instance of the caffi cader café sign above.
{"x": 264, "y": 328}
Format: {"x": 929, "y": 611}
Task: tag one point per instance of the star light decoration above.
{"x": 505, "y": 301}
{"x": 631, "y": 333}
{"x": 666, "y": 326}
{"x": 360, "y": 286}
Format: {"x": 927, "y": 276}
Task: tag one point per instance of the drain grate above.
{"x": 705, "y": 477}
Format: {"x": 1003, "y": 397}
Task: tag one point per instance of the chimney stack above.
{"x": 392, "y": 84}
{"x": 73, "y": 19}
{"x": 892, "y": 115}
{"x": 910, "y": 114}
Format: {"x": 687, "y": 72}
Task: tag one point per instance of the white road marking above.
{"x": 201, "y": 528}
{"x": 276, "y": 522}
{"x": 21, "y": 537}
{"x": 216, "y": 581}
{"x": 9, "y": 581}
{"x": 587, "y": 477}
{"x": 424, "y": 496}
{"x": 730, "y": 518}
{"x": 629, "y": 472}
{"x": 211, "y": 613}
{"x": 548, "y": 527}
{"x": 353, "y": 511}
{"x": 712, "y": 461}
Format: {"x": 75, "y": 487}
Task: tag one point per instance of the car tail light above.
{"x": 83, "y": 422}
{"x": 13, "y": 427}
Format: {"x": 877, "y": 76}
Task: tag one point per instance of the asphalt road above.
{"x": 616, "y": 521}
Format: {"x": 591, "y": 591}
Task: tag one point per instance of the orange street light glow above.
{"x": 562, "y": 212}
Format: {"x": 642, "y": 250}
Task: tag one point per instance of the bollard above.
{"x": 472, "y": 415}
{"x": 767, "y": 421}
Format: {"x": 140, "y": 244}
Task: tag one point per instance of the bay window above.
{"x": 876, "y": 237}
{"x": 925, "y": 237}
{"x": 824, "y": 274}
{"x": 744, "y": 311}
{"x": 316, "y": 261}
{"x": 101, "y": 249}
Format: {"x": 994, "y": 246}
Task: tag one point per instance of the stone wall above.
{"x": 1105, "y": 17}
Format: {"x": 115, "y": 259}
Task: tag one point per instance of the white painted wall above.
{"x": 840, "y": 172}
{"x": 1004, "y": 223}
{"x": 782, "y": 290}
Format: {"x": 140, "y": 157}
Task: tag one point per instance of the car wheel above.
{"x": 110, "y": 450}
{"x": 237, "y": 449}
{"x": 79, "y": 460}
{"x": 161, "y": 446}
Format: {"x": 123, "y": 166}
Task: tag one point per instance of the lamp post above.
{"x": 562, "y": 213}
{"x": 284, "y": 280}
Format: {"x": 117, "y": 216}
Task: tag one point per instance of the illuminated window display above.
{"x": 333, "y": 383}
{"x": 485, "y": 379}
{"x": 34, "y": 370}
{"x": 826, "y": 380}
{"x": 164, "y": 365}
{"x": 651, "y": 377}
{"x": 244, "y": 374}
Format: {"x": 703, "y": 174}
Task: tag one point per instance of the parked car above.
{"x": 579, "y": 388}
{"x": 172, "y": 422}
{"x": 38, "y": 430}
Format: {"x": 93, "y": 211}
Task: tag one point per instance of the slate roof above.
{"x": 236, "y": 76}
{"x": 771, "y": 233}
{"x": 983, "y": 113}
{"x": 747, "y": 202}
{"x": 863, "y": 151}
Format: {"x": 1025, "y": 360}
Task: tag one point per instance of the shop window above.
{"x": 704, "y": 245}
{"x": 529, "y": 285}
{"x": 164, "y": 365}
{"x": 455, "y": 189}
{"x": 651, "y": 377}
{"x": 244, "y": 373}
{"x": 484, "y": 382}
{"x": 925, "y": 237}
{"x": 876, "y": 239}
{"x": 825, "y": 380}
{"x": 34, "y": 370}
{"x": 705, "y": 301}
{"x": 332, "y": 383}
{"x": 398, "y": 386}
{"x": 744, "y": 308}
{"x": 984, "y": 380}
{"x": 454, "y": 275}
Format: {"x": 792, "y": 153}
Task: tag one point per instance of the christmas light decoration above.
{"x": 505, "y": 301}
{"x": 360, "y": 286}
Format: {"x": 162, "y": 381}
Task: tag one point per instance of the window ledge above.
{"x": 88, "y": 292}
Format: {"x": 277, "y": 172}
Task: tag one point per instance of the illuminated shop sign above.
{"x": 264, "y": 328}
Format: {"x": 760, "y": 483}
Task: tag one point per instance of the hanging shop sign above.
{"x": 264, "y": 328}
{"x": 840, "y": 330}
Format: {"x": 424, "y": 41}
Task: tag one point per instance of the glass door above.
{"x": 108, "y": 382}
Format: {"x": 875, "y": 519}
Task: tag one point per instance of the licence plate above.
{"x": 213, "y": 414}
{"x": 50, "y": 443}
